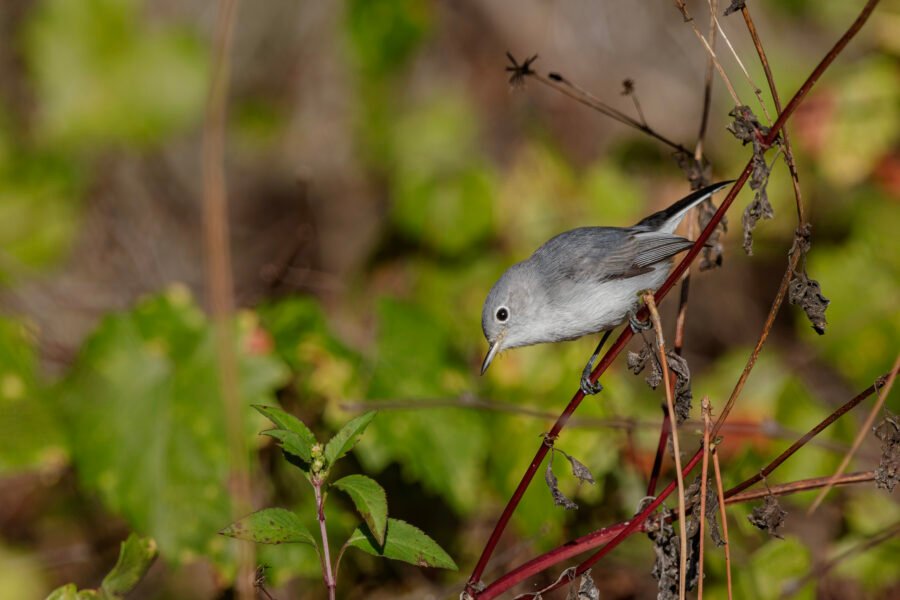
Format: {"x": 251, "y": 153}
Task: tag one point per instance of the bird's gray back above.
{"x": 592, "y": 275}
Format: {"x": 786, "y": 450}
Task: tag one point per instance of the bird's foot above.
{"x": 587, "y": 386}
{"x": 637, "y": 325}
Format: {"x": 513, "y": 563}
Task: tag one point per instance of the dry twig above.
{"x": 221, "y": 285}
{"x": 715, "y": 457}
{"x": 676, "y": 450}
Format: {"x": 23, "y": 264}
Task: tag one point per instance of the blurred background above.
{"x": 381, "y": 174}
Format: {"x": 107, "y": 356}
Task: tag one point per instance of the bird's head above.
{"x": 510, "y": 310}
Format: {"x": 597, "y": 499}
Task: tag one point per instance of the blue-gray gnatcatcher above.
{"x": 584, "y": 281}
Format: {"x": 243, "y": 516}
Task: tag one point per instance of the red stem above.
{"x": 660, "y": 452}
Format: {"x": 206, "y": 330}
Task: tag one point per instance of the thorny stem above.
{"x": 622, "y": 340}
{"x": 723, "y": 517}
{"x": 676, "y": 448}
{"x": 330, "y": 582}
{"x": 704, "y": 475}
{"x": 860, "y": 435}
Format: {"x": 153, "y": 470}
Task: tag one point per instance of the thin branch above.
{"x": 860, "y": 435}
{"x": 221, "y": 285}
{"x": 680, "y": 5}
{"x": 660, "y": 452}
{"x": 704, "y": 475}
{"x": 834, "y": 416}
{"x": 676, "y": 449}
{"x": 555, "y": 556}
{"x": 763, "y": 336}
{"x": 472, "y": 585}
{"x": 756, "y": 91}
{"x": 803, "y": 485}
{"x": 723, "y": 517}
{"x": 707, "y": 87}
{"x": 822, "y": 570}
{"x": 788, "y": 150}
{"x": 582, "y": 96}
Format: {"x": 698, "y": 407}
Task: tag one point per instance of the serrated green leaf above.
{"x": 271, "y": 526}
{"x": 370, "y": 501}
{"x": 285, "y": 420}
{"x": 291, "y": 442}
{"x": 346, "y": 438}
{"x": 135, "y": 557}
{"x": 403, "y": 542}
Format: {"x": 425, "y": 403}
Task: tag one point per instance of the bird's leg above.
{"x": 587, "y": 386}
{"x": 637, "y": 325}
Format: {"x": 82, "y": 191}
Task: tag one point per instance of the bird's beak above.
{"x": 492, "y": 352}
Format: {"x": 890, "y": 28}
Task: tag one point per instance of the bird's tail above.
{"x": 668, "y": 219}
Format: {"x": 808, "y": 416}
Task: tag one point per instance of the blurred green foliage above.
{"x": 142, "y": 411}
{"x": 30, "y": 435}
{"x": 105, "y": 75}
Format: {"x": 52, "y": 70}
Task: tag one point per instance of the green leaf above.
{"x": 69, "y": 592}
{"x": 292, "y": 443}
{"x": 135, "y": 558}
{"x": 271, "y": 526}
{"x": 346, "y": 438}
{"x": 147, "y": 385}
{"x": 403, "y": 542}
{"x": 370, "y": 501}
{"x": 301, "y": 440}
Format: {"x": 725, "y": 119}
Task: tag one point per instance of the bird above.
{"x": 585, "y": 281}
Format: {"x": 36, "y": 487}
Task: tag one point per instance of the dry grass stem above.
{"x": 709, "y": 49}
{"x": 221, "y": 285}
{"x": 723, "y": 517}
{"x": 676, "y": 450}
{"x": 704, "y": 475}
{"x": 770, "y": 78}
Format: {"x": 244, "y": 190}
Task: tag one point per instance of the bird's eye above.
{"x": 502, "y": 314}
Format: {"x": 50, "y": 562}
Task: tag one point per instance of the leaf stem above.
{"x": 327, "y": 575}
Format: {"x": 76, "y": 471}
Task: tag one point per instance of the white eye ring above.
{"x": 502, "y": 314}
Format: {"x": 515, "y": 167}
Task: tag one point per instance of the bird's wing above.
{"x": 605, "y": 253}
